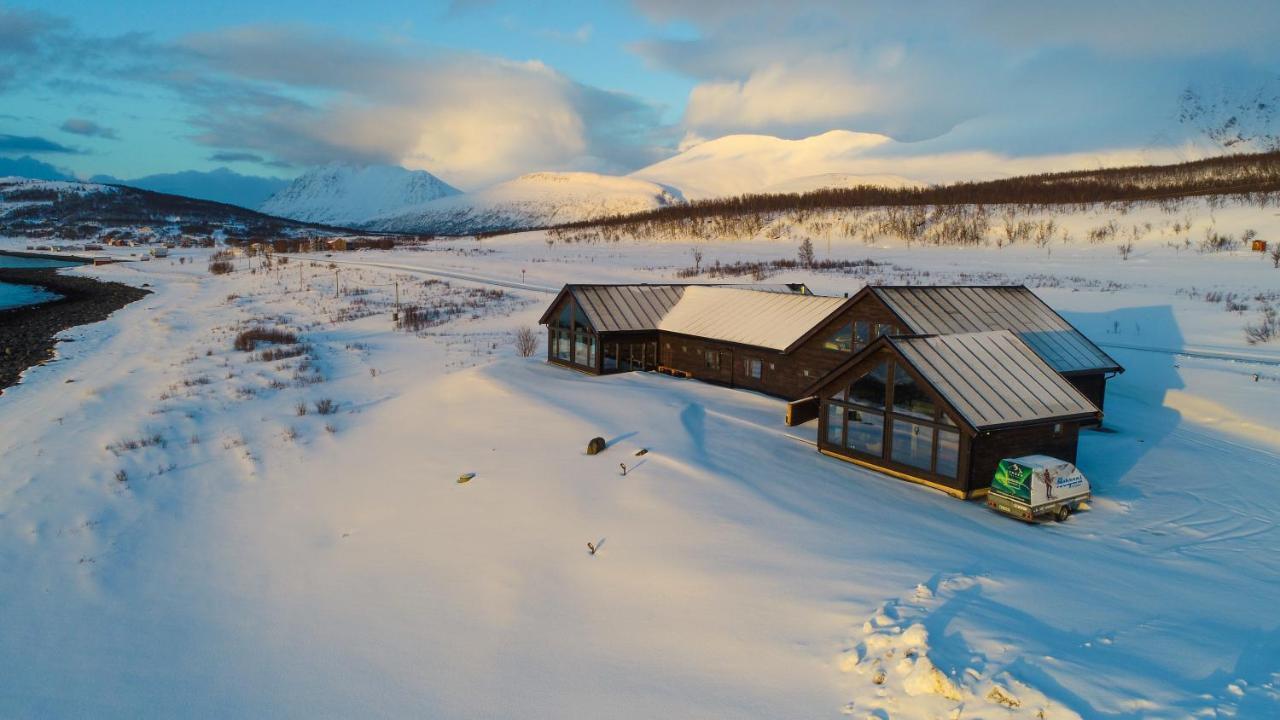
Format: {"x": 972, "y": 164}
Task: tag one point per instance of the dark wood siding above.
{"x": 690, "y": 354}
{"x": 1091, "y": 385}
{"x": 989, "y": 448}
{"x": 784, "y": 375}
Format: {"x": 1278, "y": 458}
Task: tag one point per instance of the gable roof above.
{"x": 939, "y": 310}
{"x": 770, "y": 320}
{"x": 644, "y": 307}
{"x": 993, "y": 379}
{"x": 621, "y": 308}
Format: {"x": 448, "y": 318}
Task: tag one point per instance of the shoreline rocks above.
{"x": 28, "y": 333}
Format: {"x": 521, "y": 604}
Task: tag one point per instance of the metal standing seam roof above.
{"x": 748, "y": 317}
{"x": 626, "y": 308}
{"x": 939, "y": 310}
{"x": 993, "y": 378}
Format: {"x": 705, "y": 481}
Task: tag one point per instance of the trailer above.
{"x": 1037, "y": 487}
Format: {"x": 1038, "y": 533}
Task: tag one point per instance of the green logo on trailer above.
{"x": 1013, "y": 479}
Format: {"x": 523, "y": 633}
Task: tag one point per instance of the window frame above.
{"x": 941, "y": 422}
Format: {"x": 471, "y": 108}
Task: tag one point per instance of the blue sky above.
{"x": 479, "y": 91}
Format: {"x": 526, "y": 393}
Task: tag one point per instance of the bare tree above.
{"x": 1126, "y": 249}
{"x": 806, "y": 253}
{"x": 526, "y": 342}
{"x": 1275, "y": 256}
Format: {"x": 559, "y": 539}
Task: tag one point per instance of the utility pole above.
{"x": 335, "y": 281}
{"x": 302, "y": 285}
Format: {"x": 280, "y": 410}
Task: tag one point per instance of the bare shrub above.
{"x": 526, "y": 342}
{"x": 1214, "y": 242}
{"x": 220, "y": 267}
{"x": 1266, "y": 329}
{"x": 122, "y": 476}
{"x": 1126, "y": 249}
{"x": 1275, "y": 256}
{"x": 281, "y": 353}
{"x": 326, "y": 406}
{"x": 300, "y": 409}
{"x": 153, "y": 440}
{"x": 249, "y": 339}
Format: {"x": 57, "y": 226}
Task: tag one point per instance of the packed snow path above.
{"x": 439, "y": 272}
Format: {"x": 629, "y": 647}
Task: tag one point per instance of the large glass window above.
{"x": 611, "y": 356}
{"x": 912, "y": 444}
{"x": 835, "y": 425}
{"x": 712, "y": 359}
{"x": 864, "y": 431}
{"x": 861, "y": 333}
{"x": 885, "y": 329}
{"x": 755, "y": 368}
{"x": 842, "y": 340}
{"x": 579, "y": 317}
{"x": 562, "y": 345}
{"x": 908, "y": 397}
{"x": 948, "y": 453}
{"x": 565, "y": 318}
{"x": 870, "y": 388}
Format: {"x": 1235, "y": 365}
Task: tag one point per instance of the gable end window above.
{"x": 842, "y": 340}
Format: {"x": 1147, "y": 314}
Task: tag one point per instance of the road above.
{"x": 441, "y": 272}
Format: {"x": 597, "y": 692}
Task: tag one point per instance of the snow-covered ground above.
{"x": 179, "y": 541}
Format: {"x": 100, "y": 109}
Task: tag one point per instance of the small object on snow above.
{"x": 642, "y": 451}
{"x": 591, "y": 549}
{"x": 464, "y": 477}
{"x": 596, "y": 446}
{"x": 624, "y": 469}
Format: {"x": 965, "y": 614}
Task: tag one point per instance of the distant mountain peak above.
{"x": 350, "y": 194}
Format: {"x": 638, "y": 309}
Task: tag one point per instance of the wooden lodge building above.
{"x": 933, "y": 384}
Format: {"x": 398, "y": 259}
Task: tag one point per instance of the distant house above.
{"x": 933, "y": 383}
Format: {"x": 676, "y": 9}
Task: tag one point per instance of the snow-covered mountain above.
{"x": 534, "y": 200}
{"x": 738, "y": 164}
{"x": 351, "y": 195}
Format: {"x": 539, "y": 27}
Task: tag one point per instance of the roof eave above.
{"x": 1039, "y": 421}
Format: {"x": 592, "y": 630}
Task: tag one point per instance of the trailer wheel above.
{"x": 1062, "y": 513}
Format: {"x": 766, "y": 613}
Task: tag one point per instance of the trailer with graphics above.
{"x": 1037, "y": 487}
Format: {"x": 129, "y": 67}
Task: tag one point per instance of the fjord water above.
{"x": 12, "y": 295}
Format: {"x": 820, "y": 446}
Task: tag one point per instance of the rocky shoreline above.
{"x": 27, "y": 333}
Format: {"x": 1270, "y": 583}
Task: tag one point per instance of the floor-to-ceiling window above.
{"x": 885, "y": 408}
{"x": 571, "y": 338}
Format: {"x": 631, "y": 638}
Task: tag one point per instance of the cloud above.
{"x": 236, "y": 157}
{"x": 1001, "y": 75}
{"x": 32, "y": 144}
{"x": 88, "y": 128}
{"x": 471, "y": 119}
{"x": 303, "y": 97}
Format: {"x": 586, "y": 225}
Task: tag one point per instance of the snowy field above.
{"x": 180, "y": 541}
